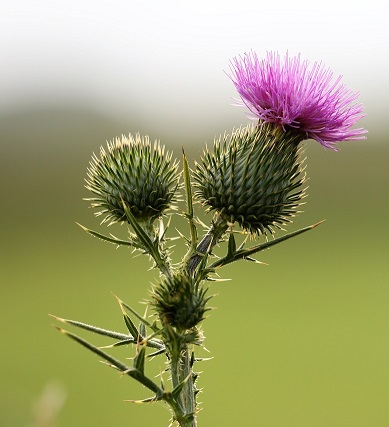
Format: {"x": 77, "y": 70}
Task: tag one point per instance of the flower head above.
{"x": 252, "y": 177}
{"x": 180, "y": 301}
{"x": 134, "y": 173}
{"x": 292, "y": 94}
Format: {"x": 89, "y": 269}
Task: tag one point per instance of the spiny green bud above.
{"x": 180, "y": 302}
{"x": 133, "y": 172}
{"x": 252, "y": 177}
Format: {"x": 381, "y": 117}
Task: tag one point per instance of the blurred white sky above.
{"x": 166, "y": 58}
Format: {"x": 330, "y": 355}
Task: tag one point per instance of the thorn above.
{"x": 117, "y": 298}
{"x": 110, "y": 365}
{"x": 150, "y": 399}
{"x": 203, "y": 359}
{"x": 83, "y": 227}
{"x": 318, "y": 223}
{"x": 126, "y": 371}
{"x": 61, "y": 330}
{"x": 255, "y": 260}
{"x": 60, "y": 319}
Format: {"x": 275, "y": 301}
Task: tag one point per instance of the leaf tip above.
{"x": 82, "y": 226}
{"x": 318, "y": 223}
{"x": 60, "y": 319}
{"x": 61, "y": 330}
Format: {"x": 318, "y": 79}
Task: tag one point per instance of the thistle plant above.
{"x": 251, "y": 179}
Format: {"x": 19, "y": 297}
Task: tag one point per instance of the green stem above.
{"x": 174, "y": 367}
{"x": 189, "y": 209}
{"x": 157, "y": 253}
{"x": 188, "y": 392}
{"x": 162, "y": 265}
{"x": 181, "y": 372}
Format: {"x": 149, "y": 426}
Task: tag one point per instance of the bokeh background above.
{"x": 302, "y": 341}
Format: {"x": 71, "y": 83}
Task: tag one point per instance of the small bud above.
{"x": 180, "y": 302}
{"x": 252, "y": 177}
{"x": 132, "y": 172}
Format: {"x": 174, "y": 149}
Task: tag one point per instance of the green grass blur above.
{"x": 300, "y": 342}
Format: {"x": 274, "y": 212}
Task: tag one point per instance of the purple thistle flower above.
{"x": 291, "y": 94}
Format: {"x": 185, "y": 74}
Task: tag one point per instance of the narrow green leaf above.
{"x": 254, "y": 249}
{"x": 124, "y": 338}
{"x": 189, "y": 208}
{"x": 231, "y": 246}
{"x": 134, "y": 373}
{"x": 130, "y": 326}
{"x": 142, "y": 319}
{"x": 114, "y": 240}
{"x": 95, "y": 329}
{"x": 142, "y": 235}
{"x": 150, "y": 247}
{"x": 142, "y": 330}
{"x": 139, "y": 359}
{"x": 177, "y": 390}
{"x": 246, "y": 253}
{"x": 119, "y": 365}
{"x": 188, "y": 186}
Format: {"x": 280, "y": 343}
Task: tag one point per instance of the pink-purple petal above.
{"x": 291, "y": 94}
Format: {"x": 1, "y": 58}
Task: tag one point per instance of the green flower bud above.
{"x": 180, "y": 302}
{"x": 134, "y": 172}
{"x": 252, "y": 177}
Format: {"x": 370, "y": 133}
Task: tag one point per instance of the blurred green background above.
{"x": 302, "y": 341}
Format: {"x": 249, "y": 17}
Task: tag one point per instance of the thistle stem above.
{"x": 181, "y": 372}
{"x": 188, "y": 391}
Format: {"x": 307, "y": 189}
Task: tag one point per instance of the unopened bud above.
{"x": 180, "y": 302}
{"x": 252, "y": 177}
{"x": 133, "y": 172}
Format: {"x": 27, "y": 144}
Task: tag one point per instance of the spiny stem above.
{"x": 157, "y": 253}
{"x": 181, "y": 371}
{"x": 188, "y": 391}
